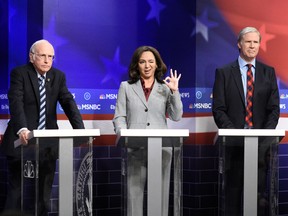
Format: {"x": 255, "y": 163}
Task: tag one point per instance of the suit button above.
{"x": 146, "y": 110}
{"x": 148, "y": 124}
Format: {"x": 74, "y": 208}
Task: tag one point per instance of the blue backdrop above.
{"x": 94, "y": 41}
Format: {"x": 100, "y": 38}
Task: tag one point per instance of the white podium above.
{"x": 250, "y": 138}
{"x": 74, "y": 149}
{"x": 154, "y": 140}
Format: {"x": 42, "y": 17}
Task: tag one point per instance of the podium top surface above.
{"x": 65, "y": 133}
{"x": 154, "y": 133}
{"x": 251, "y": 132}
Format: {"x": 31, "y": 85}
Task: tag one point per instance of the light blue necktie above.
{"x": 42, "y": 110}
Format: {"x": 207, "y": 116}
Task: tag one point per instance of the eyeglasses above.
{"x": 43, "y": 56}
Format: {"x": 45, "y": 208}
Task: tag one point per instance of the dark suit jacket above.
{"x": 229, "y": 101}
{"x": 24, "y": 99}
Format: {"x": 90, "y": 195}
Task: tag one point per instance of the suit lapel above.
{"x": 238, "y": 80}
{"x": 137, "y": 88}
{"x": 156, "y": 88}
{"x": 258, "y": 76}
{"x": 35, "y": 84}
{"x": 48, "y": 84}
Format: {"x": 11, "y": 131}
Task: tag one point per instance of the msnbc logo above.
{"x": 102, "y": 96}
{"x": 108, "y": 96}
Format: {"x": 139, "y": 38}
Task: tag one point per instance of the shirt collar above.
{"x": 243, "y": 63}
{"x": 143, "y": 84}
{"x": 39, "y": 75}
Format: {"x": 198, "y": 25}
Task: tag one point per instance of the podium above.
{"x": 251, "y": 143}
{"x": 73, "y": 149}
{"x": 153, "y": 140}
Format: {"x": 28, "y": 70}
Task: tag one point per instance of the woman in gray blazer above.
{"x": 143, "y": 102}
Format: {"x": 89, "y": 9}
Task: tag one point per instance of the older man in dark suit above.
{"x": 231, "y": 108}
{"x": 24, "y": 104}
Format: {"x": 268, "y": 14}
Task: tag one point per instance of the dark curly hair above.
{"x": 133, "y": 70}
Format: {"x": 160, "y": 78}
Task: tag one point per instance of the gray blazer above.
{"x": 134, "y": 112}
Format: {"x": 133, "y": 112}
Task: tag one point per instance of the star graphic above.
{"x": 114, "y": 69}
{"x": 203, "y": 24}
{"x": 156, "y": 8}
{"x": 265, "y": 37}
{"x": 50, "y": 34}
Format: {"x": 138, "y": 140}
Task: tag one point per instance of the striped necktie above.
{"x": 42, "y": 110}
{"x": 249, "y": 98}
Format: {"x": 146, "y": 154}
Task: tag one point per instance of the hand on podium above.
{"x": 24, "y": 136}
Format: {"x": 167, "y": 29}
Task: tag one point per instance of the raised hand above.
{"x": 173, "y": 80}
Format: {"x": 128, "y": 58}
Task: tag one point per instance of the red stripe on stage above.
{"x": 204, "y": 138}
{"x": 193, "y": 139}
{"x": 199, "y": 138}
{"x": 105, "y": 140}
{"x": 89, "y": 116}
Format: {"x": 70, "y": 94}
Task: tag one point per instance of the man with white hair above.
{"x": 25, "y": 102}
